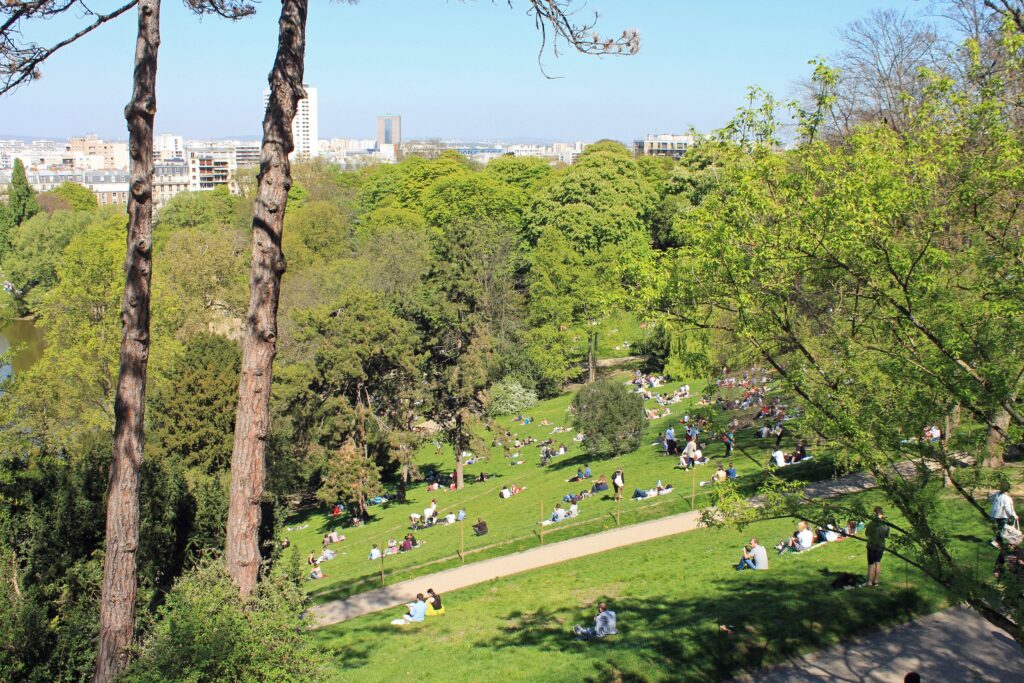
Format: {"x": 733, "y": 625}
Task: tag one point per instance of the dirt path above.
{"x": 953, "y": 645}
{"x": 397, "y": 594}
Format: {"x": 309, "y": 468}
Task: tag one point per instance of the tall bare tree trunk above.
{"x": 591, "y": 357}
{"x": 461, "y": 442}
{"x": 995, "y": 445}
{"x": 252, "y": 422}
{"x": 120, "y": 582}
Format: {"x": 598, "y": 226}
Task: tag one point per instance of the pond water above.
{"x": 22, "y": 333}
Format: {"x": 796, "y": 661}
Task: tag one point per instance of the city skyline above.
{"x": 694, "y": 67}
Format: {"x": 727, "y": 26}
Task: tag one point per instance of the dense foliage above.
{"x": 610, "y": 416}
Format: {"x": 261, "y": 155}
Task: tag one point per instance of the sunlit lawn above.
{"x": 514, "y": 522}
{"x": 670, "y": 595}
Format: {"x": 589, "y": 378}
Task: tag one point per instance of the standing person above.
{"x": 779, "y": 431}
{"x": 730, "y": 441}
{"x": 877, "y": 531}
{"x": 670, "y": 440}
{"x": 618, "y": 481}
{"x": 1002, "y": 511}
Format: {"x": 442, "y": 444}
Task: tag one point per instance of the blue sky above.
{"x": 452, "y": 69}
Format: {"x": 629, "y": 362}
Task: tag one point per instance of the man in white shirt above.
{"x": 779, "y": 456}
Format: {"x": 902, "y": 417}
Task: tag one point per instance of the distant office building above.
{"x": 169, "y": 178}
{"x": 167, "y": 146}
{"x": 389, "y": 136}
{"x": 568, "y": 152}
{"x": 305, "y": 125}
{"x": 664, "y": 145}
{"x": 114, "y": 154}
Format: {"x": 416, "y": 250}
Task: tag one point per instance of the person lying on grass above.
{"x": 604, "y": 625}
{"x": 508, "y": 491}
{"x": 600, "y": 485}
{"x": 417, "y": 612}
{"x": 658, "y": 490}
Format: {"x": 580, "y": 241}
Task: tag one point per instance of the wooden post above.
{"x": 618, "y": 511}
{"x": 693, "y": 486}
{"x": 462, "y": 540}
{"x": 542, "y": 522}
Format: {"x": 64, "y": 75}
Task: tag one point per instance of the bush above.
{"x": 509, "y": 397}
{"x": 611, "y": 416}
{"x": 206, "y": 632}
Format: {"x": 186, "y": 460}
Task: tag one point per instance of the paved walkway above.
{"x": 478, "y": 572}
{"x": 400, "y": 593}
{"x": 954, "y": 645}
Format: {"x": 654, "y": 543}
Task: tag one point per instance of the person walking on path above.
{"x": 877, "y": 531}
{"x": 1002, "y": 511}
{"x": 618, "y": 481}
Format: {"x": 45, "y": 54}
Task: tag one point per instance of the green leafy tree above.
{"x": 883, "y": 285}
{"x": 206, "y": 631}
{"x": 352, "y": 476}
{"x": 78, "y": 197}
{"x": 21, "y": 198}
{"x": 35, "y": 249}
{"x": 610, "y": 416}
{"x": 526, "y": 173}
{"x": 193, "y": 413}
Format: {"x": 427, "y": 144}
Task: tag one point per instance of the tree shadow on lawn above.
{"x": 679, "y": 638}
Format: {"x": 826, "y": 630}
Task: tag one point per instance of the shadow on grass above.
{"x": 769, "y": 619}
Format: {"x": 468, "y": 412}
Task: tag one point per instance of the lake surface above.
{"x": 22, "y": 333}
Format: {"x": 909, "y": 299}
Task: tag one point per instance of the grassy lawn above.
{"x": 670, "y": 595}
{"x": 514, "y": 522}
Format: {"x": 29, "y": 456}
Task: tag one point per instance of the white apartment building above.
{"x": 109, "y": 186}
{"x": 568, "y": 152}
{"x": 115, "y": 154}
{"x": 305, "y": 125}
{"x": 211, "y": 166}
{"x": 169, "y": 179}
{"x": 664, "y": 145}
{"x": 168, "y": 146}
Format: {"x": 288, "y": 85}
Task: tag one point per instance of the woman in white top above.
{"x": 1002, "y": 512}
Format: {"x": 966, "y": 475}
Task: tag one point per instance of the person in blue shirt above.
{"x": 417, "y": 610}
{"x": 461, "y": 516}
{"x": 587, "y": 474}
{"x": 604, "y": 625}
{"x": 731, "y": 472}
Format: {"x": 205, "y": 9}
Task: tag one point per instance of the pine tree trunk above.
{"x": 120, "y": 584}
{"x": 460, "y": 446}
{"x": 592, "y": 357}
{"x": 995, "y": 445}
{"x": 252, "y": 422}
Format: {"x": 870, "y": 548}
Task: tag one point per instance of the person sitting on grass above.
{"x": 375, "y": 553}
{"x": 558, "y": 514}
{"x": 417, "y": 612}
{"x": 316, "y": 572}
{"x": 718, "y": 477}
{"x": 579, "y": 476}
{"x": 779, "y": 457}
{"x": 604, "y": 625}
{"x": 434, "y": 606}
{"x": 802, "y": 540}
{"x": 392, "y": 548}
{"x": 731, "y": 472}
{"x": 600, "y": 485}
{"x": 574, "y": 509}
{"x": 799, "y": 453}
{"x": 754, "y": 557}
{"x": 480, "y": 528}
